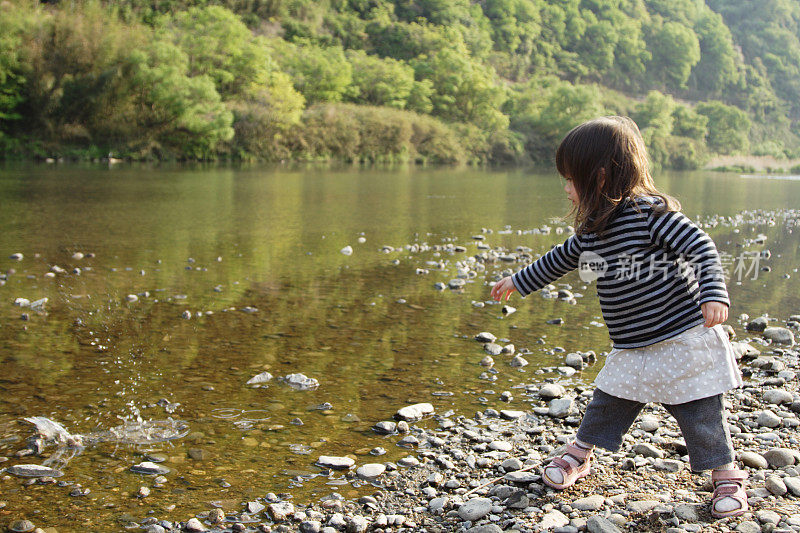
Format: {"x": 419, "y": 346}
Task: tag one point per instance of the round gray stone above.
{"x": 768, "y": 419}
{"x": 370, "y": 471}
{"x": 475, "y": 509}
{"x": 753, "y": 460}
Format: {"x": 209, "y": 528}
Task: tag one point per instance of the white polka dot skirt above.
{"x": 695, "y": 364}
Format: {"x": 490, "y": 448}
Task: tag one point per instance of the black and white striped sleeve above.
{"x": 674, "y": 231}
{"x": 557, "y": 262}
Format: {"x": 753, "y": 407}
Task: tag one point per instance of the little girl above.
{"x": 663, "y": 296}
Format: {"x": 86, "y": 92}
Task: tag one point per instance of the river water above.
{"x": 209, "y": 242}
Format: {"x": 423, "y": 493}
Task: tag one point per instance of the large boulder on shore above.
{"x": 779, "y": 335}
{"x": 411, "y": 413}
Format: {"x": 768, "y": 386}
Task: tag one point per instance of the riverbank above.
{"x": 246, "y": 440}
{"x": 481, "y": 472}
{"x": 753, "y": 164}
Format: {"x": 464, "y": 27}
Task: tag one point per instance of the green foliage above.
{"x": 221, "y": 78}
{"x": 463, "y": 89}
{"x": 217, "y": 44}
{"x": 185, "y": 112}
{"x": 319, "y": 74}
{"x": 688, "y": 123}
{"x": 372, "y": 134}
{"x": 727, "y": 127}
{"x": 380, "y": 81}
{"x": 675, "y": 50}
{"x": 13, "y": 26}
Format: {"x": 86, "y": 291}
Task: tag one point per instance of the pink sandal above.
{"x": 729, "y": 484}
{"x": 569, "y": 472}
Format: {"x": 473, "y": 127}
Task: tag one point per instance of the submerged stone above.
{"x": 34, "y": 471}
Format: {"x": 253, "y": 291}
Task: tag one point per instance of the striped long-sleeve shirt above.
{"x": 655, "y": 270}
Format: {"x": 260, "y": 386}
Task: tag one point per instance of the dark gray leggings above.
{"x": 702, "y": 423}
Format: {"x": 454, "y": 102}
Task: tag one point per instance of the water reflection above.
{"x": 207, "y": 243}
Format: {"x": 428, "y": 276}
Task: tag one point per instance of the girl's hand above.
{"x": 714, "y": 313}
{"x": 503, "y": 289}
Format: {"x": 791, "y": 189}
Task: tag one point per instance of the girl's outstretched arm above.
{"x": 555, "y": 263}
{"x": 675, "y": 232}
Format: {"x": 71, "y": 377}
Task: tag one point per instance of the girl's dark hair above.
{"x": 607, "y": 162}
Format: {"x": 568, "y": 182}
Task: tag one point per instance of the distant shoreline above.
{"x": 753, "y": 164}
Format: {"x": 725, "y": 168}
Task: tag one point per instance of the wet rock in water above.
{"x": 475, "y": 509}
{"x": 335, "y": 463}
{"x": 370, "y": 471}
{"x": 300, "y": 382}
{"x": 485, "y": 336}
{"x": 385, "y": 428}
{"x": 551, "y": 390}
{"x": 347, "y": 250}
{"x": 492, "y": 348}
{"x": 757, "y": 325}
{"x": 148, "y": 467}
{"x": 575, "y": 360}
{"x": 143, "y": 492}
{"x": 487, "y": 361}
{"x": 414, "y": 412}
{"x": 254, "y": 507}
{"x": 259, "y": 378}
{"x": 186, "y": 315}
{"x": 22, "y": 302}
{"x": 509, "y": 349}
{"x": 456, "y": 283}
{"x": 518, "y": 362}
{"x": 16, "y": 257}
{"x": 555, "y": 321}
{"x": 21, "y": 526}
{"x": 439, "y": 286}
{"x": 508, "y": 310}
{"x": 280, "y": 511}
{"x": 779, "y": 335}
{"x": 217, "y": 516}
{"x": 197, "y": 454}
{"x": 132, "y": 298}
{"x": 34, "y": 471}
{"x": 194, "y": 525}
{"x": 564, "y": 294}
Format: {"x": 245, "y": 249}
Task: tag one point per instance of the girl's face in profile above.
{"x": 569, "y": 188}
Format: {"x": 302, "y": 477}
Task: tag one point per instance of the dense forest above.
{"x": 430, "y": 81}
